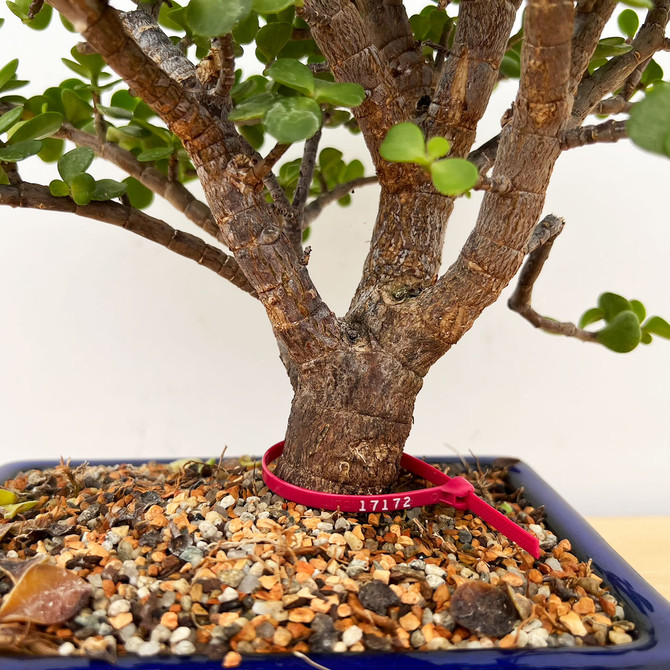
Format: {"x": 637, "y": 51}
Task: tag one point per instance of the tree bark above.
{"x": 350, "y": 418}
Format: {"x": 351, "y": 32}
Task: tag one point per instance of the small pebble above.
{"x": 183, "y": 648}
{"x": 66, "y": 649}
{"x": 150, "y": 648}
{"x": 351, "y": 635}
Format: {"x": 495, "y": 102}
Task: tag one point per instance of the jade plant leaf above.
{"x": 622, "y": 334}
{"x": 38, "y": 127}
{"x": 106, "y": 189}
{"x": 8, "y": 119}
{"x": 293, "y": 119}
{"x": 343, "y": 95}
{"x": 454, "y": 176}
{"x": 292, "y": 73}
{"x": 655, "y": 325}
{"x": 20, "y": 151}
{"x": 45, "y": 594}
{"x": 211, "y": 18}
{"x": 75, "y": 162}
{"x": 271, "y": 6}
{"x": 404, "y": 143}
{"x": 649, "y": 122}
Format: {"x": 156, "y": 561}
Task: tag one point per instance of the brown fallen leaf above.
{"x": 14, "y": 568}
{"x": 45, "y": 594}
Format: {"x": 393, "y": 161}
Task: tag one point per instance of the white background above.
{"x": 112, "y": 347}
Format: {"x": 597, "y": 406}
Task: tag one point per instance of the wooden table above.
{"x": 644, "y": 542}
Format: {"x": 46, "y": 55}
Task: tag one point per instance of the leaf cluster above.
{"x": 405, "y": 143}
{"x": 626, "y": 323}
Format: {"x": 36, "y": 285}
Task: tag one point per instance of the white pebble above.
{"x": 183, "y": 648}
{"x": 180, "y": 634}
{"x": 351, "y": 635}
{"x": 66, "y": 649}
{"x": 227, "y": 502}
{"x": 160, "y": 633}
{"x": 118, "y": 607}
{"x": 228, "y": 594}
{"x": 434, "y": 570}
{"x": 150, "y": 648}
{"x": 339, "y": 647}
{"x": 133, "y": 644}
{"x": 208, "y": 530}
{"x": 434, "y": 581}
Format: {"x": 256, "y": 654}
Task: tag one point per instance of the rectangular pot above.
{"x": 643, "y": 605}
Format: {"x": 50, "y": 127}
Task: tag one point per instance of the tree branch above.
{"x": 388, "y": 23}
{"x": 34, "y": 196}
{"x": 609, "y": 131}
{"x": 224, "y": 162}
{"x": 342, "y": 37}
{"x": 541, "y": 242}
{"x": 315, "y": 207}
{"x": 470, "y": 72}
{"x": 173, "y": 191}
{"x": 649, "y": 39}
{"x": 529, "y": 147}
{"x": 617, "y": 104}
{"x": 144, "y": 29}
{"x": 590, "y": 19}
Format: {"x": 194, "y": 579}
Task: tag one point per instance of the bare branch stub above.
{"x": 539, "y": 249}
{"x": 609, "y": 131}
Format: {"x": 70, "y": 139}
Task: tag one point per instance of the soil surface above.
{"x": 201, "y": 558}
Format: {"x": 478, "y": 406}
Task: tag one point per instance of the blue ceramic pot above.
{"x": 643, "y": 605}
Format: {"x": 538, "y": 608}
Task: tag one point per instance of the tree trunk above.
{"x": 350, "y": 418}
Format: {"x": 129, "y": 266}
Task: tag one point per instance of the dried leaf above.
{"x": 10, "y": 511}
{"x": 15, "y": 568}
{"x": 45, "y": 594}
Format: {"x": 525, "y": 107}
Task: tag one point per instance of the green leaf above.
{"x": 657, "y": 326}
{"x": 293, "y": 119}
{"x": 138, "y": 194}
{"x": 77, "y": 111}
{"x": 21, "y": 9}
{"x": 271, "y": 39}
{"x": 8, "y": 71}
{"x": 271, "y": 6}
{"x": 246, "y": 30}
{"x": 343, "y": 95}
{"x": 4, "y": 179}
{"x": 643, "y": 4}
{"x": 116, "y": 112}
{"x": 18, "y": 152}
{"x": 81, "y": 188}
{"x": 611, "y": 46}
{"x": 639, "y": 309}
{"x": 612, "y": 304}
{"x": 437, "y": 147}
{"x": 7, "y": 497}
{"x": 253, "y": 108}
{"x": 649, "y": 122}
{"x": 652, "y": 73}
{"x": 8, "y": 119}
{"x": 453, "y": 176}
{"x": 628, "y": 22}
{"x": 106, "y": 189}
{"x": 123, "y": 100}
{"x": 622, "y": 334}
{"x": 511, "y": 64}
{"x": 646, "y": 338}
{"x": 59, "y": 188}
{"x": 292, "y": 73}
{"x": 37, "y": 128}
{"x": 211, "y": 18}
{"x": 74, "y": 163}
{"x": 591, "y": 316}
{"x": 52, "y": 150}
{"x": 155, "y": 154}
{"x": 254, "y": 135}
{"x": 77, "y": 68}
{"x": 10, "y": 511}
{"x": 404, "y": 143}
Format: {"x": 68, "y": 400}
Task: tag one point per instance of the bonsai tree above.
{"x": 415, "y": 88}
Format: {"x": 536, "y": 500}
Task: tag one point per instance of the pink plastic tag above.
{"x": 457, "y": 492}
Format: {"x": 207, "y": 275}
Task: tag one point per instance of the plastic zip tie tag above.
{"x": 457, "y": 492}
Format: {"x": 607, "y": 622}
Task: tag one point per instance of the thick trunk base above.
{"x": 350, "y": 418}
